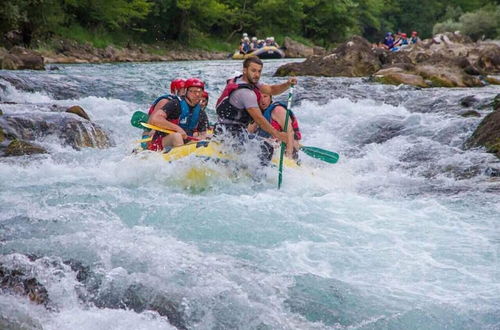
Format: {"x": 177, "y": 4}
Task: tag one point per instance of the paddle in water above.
{"x": 321, "y": 154}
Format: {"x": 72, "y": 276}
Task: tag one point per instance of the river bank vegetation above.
{"x": 218, "y": 24}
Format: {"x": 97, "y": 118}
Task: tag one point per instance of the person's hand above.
{"x": 292, "y": 81}
{"x": 182, "y": 133}
{"x": 282, "y": 136}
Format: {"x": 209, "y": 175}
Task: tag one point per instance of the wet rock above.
{"x": 493, "y": 80}
{"x": 78, "y": 110}
{"x": 447, "y": 76}
{"x": 487, "y": 134}
{"x": 470, "y": 113}
{"x": 378, "y": 130}
{"x": 140, "y": 298}
{"x": 492, "y": 172}
{"x": 468, "y": 101}
{"x": 20, "y": 148}
{"x": 19, "y": 58}
{"x": 16, "y": 281}
{"x": 496, "y": 102}
{"x": 397, "y": 76}
{"x": 354, "y": 58}
{"x": 71, "y": 129}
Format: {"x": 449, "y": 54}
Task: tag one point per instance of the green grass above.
{"x": 98, "y": 38}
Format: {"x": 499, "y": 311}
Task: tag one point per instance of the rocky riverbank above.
{"x": 447, "y": 60}
{"x": 67, "y": 51}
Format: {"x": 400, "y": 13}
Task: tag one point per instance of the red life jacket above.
{"x": 268, "y": 115}
{"x": 228, "y": 113}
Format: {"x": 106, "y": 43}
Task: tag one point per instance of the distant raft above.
{"x": 268, "y": 52}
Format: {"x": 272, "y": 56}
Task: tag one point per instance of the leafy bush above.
{"x": 484, "y": 22}
{"x": 446, "y": 26}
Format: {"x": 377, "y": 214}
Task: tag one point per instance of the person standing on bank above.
{"x": 239, "y": 105}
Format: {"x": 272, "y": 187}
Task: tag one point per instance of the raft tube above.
{"x": 212, "y": 150}
{"x": 268, "y": 52}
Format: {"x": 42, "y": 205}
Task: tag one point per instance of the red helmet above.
{"x": 194, "y": 82}
{"x": 177, "y": 84}
{"x": 205, "y": 95}
{"x": 403, "y": 35}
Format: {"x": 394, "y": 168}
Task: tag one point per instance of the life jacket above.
{"x": 228, "y": 113}
{"x": 163, "y": 97}
{"x": 188, "y": 120}
{"x": 246, "y": 47}
{"x": 268, "y": 115}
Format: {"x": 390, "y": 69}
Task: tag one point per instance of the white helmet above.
{"x": 254, "y": 38}
{"x": 245, "y": 35}
{"x": 271, "y": 38}
{"x": 246, "y": 39}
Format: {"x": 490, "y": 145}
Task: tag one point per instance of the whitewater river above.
{"x": 402, "y": 233}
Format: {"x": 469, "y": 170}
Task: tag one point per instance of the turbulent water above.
{"x": 402, "y": 233}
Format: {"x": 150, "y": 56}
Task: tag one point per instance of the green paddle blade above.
{"x": 321, "y": 154}
{"x": 139, "y": 117}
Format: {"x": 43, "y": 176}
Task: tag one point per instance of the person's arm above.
{"x": 159, "y": 118}
{"x": 252, "y": 127}
{"x": 279, "y": 114}
{"x": 257, "y": 116}
{"x": 202, "y": 125}
{"x": 278, "y": 88}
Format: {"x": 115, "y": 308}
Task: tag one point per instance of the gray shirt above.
{"x": 244, "y": 98}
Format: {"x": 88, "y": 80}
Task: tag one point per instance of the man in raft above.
{"x": 239, "y": 105}
{"x": 177, "y": 89}
{"x": 183, "y": 115}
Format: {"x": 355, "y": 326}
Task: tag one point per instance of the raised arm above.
{"x": 278, "y": 88}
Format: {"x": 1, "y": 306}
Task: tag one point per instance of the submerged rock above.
{"x": 468, "y": 101}
{"x": 20, "y": 148}
{"x": 78, "y": 110}
{"x": 18, "y": 282}
{"x": 470, "y": 113}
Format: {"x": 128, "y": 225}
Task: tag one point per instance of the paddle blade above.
{"x": 139, "y": 117}
{"x": 321, "y": 154}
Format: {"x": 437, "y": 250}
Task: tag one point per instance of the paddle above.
{"x": 283, "y": 144}
{"x": 321, "y": 154}
{"x": 139, "y": 119}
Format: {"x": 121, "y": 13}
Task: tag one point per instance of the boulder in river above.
{"x": 32, "y": 125}
{"x": 354, "y": 58}
{"x": 447, "y": 60}
{"x": 487, "y": 134}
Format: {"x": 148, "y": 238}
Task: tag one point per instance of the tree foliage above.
{"x": 322, "y": 21}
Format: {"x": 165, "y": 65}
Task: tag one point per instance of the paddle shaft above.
{"x": 159, "y": 129}
{"x": 283, "y": 144}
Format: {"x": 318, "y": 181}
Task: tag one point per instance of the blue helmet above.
{"x": 388, "y": 34}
